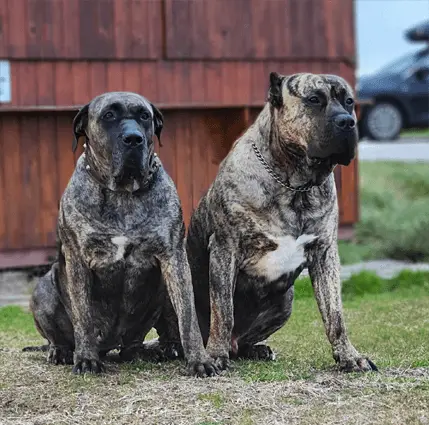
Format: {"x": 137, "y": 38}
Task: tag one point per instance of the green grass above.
{"x": 387, "y": 319}
{"x": 394, "y": 222}
{"x": 424, "y": 132}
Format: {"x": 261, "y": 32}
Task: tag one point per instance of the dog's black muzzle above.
{"x": 133, "y": 153}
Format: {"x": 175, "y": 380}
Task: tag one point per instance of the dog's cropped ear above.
{"x": 275, "y": 96}
{"x": 158, "y": 122}
{"x": 80, "y": 123}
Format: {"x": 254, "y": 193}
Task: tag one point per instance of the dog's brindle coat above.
{"x": 121, "y": 245}
{"x": 259, "y": 226}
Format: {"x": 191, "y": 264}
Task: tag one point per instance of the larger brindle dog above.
{"x": 272, "y": 211}
{"x": 121, "y": 247}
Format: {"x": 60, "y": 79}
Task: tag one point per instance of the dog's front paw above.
{"x": 202, "y": 368}
{"x": 60, "y": 355}
{"x": 358, "y": 364}
{"x": 87, "y": 364}
{"x": 349, "y": 360}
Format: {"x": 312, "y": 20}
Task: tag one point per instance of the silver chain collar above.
{"x": 275, "y": 176}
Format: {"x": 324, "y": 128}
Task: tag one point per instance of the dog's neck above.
{"x": 97, "y": 170}
{"x": 288, "y": 159}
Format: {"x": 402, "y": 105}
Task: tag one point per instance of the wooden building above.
{"x": 205, "y": 63}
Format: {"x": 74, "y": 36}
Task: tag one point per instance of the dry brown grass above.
{"x": 301, "y": 387}
{"x": 33, "y": 392}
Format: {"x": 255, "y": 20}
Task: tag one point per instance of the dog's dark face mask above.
{"x": 316, "y": 113}
{"x": 119, "y": 129}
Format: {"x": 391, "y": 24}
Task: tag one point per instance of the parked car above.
{"x": 396, "y": 97}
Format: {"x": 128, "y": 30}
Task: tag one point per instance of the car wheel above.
{"x": 383, "y": 122}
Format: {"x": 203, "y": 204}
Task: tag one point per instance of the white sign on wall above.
{"x": 5, "y": 89}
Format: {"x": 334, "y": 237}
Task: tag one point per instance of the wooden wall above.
{"x": 205, "y": 63}
{"x": 176, "y": 29}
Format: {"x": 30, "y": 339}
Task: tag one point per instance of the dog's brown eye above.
{"x": 145, "y": 116}
{"x": 350, "y": 101}
{"x": 314, "y": 99}
{"x": 108, "y": 116}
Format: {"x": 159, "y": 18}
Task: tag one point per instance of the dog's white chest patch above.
{"x": 121, "y": 243}
{"x": 288, "y": 256}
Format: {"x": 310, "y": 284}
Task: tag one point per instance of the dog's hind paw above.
{"x": 256, "y": 352}
{"x": 60, "y": 355}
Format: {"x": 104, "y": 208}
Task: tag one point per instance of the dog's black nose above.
{"x": 133, "y": 139}
{"x": 344, "y": 122}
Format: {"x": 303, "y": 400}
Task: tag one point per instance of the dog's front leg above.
{"x": 177, "y": 276}
{"x": 324, "y": 270}
{"x": 222, "y": 275}
{"x": 79, "y": 281}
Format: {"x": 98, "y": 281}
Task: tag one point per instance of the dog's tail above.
{"x": 37, "y": 348}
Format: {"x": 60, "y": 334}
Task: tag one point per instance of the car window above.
{"x": 401, "y": 64}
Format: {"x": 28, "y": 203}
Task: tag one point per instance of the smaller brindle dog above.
{"x": 121, "y": 247}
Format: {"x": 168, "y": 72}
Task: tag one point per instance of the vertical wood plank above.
{"x": 30, "y": 201}
{"x": 27, "y": 83}
{"x": 98, "y": 78}
{"x": 17, "y": 13}
{"x": 64, "y": 83}
{"x": 153, "y": 81}
{"x": 71, "y": 28}
{"x": 34, "y": 22}
{"x": 115, "y": 76}
{"x": 13, "y": 186}
{"x": 49, "y": 198}
{"x": 96, "y": 29}
{"x": 3, "y": 199}
{"x": 131, "y": 72}
{"x": 45, "y": 83}
{"x": 81, "y": 82}
{"x": 200, "y": 158}
{"x": 122, "y": 28}
{"x": 4, "y": 29}
{"x": 196, "y": 82}
{"x": 213, "y": 81}
{"x": 56, "y": 28}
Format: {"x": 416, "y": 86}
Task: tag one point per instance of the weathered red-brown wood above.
{"x": 204, "y": 63}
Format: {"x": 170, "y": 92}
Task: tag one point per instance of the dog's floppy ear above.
{"x": 80, "y": 123}
{"x": 158, "y": 122}
{"x": 275, "y": 96}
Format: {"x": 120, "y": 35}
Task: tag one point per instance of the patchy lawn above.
{"x": 394, "y": 222}
{"x": 387, "y": 319}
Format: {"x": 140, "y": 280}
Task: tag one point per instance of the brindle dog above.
{"x": 271, "y": 212}
{"x": 121, "y": 246}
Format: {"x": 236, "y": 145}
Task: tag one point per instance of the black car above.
{"x": 398, "y": 93}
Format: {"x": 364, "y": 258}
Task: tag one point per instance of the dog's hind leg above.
{"x": 51, "y": 320}
{"x": 251, "y": 330}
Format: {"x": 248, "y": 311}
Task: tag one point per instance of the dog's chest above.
{"x": 104, "y": 252}
{"x": 278, "y": 256}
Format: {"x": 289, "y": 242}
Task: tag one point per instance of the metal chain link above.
{"x": 274, "y": 175}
